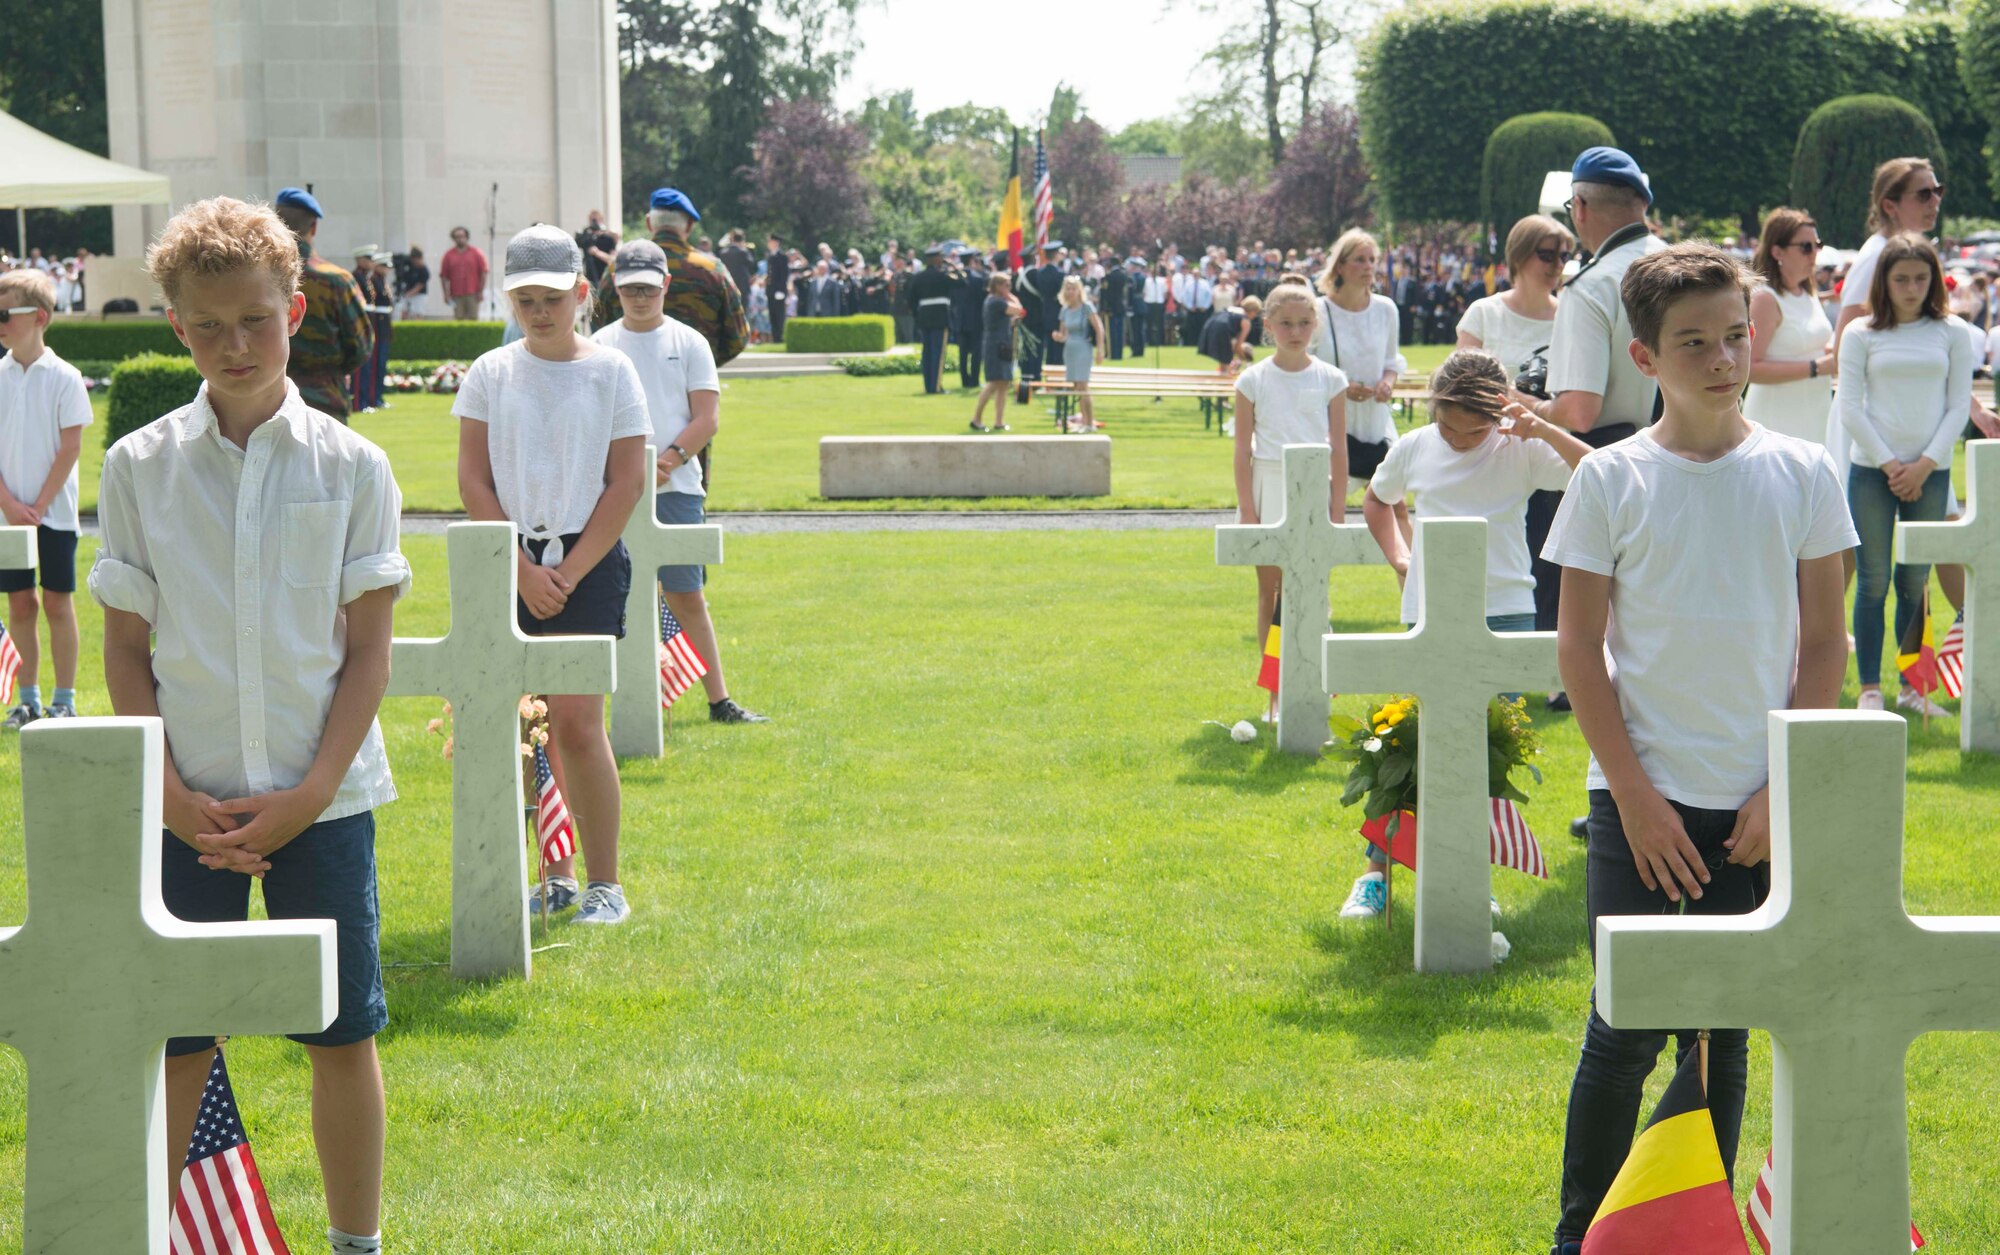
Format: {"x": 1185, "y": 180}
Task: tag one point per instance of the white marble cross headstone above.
{"x": 1974, "y": 542}
{"x": 18, "y": 548}
{"x": 635, "y": 706}
{"x": 1305, "y": 546}
{"x": 1455, "y": 666}
{"x": 100, "y": 975}
{"x": 483, "y": 667}
{"x": 1832, "y": 966}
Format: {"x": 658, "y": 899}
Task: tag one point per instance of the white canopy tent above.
{"x": 42, "y": 172}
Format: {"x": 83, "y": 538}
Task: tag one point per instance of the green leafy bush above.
{"x": 444, "y": 340}
{"x": 892, "y": 364}
{"x": 1708, "y": 96}
{"x": 1979, "y": 70}
{"x": 1841, "y": 143}
{"x": 145, "y": 387}
{"x": 113, "y": 340}
{"x": 857, "y": 333}
{"x": 1520, "y": 153}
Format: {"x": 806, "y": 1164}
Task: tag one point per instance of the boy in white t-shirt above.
{"x": 1481, "y": 457}
{"x": 1701, "y": 589}
{"x": 684, "y": 396}
{"x": 43, "y": 411}
{"x": 1290, "y": 397}
{"x": 552, "y": 438}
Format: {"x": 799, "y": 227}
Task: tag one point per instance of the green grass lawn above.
{"x": 989, "y": 944}
{"x": 767, "y": 457}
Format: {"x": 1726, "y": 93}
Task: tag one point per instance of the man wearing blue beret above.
{"x": 700, "y": 292}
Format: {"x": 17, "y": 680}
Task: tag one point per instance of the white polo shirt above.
{"x": 241, "y": 560}
{"x": 1590, "y": 345}
{"x": 673, "y": 361}
{"x": 37, "y": 403}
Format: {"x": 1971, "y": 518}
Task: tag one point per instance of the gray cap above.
{"x": 639, "y": 261}
{"x": 543, "y": 256}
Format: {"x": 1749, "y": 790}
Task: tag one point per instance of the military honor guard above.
{"x": 931, "y": 293}
{"x": 335, "y": 337}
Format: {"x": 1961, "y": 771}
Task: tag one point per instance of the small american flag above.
{"x": 552, "y": 826}
{"x": 680, "y": 663}
{"x": 1951, "y": 660}
{"x": 222, "y": 1209}
{"x": 1045, "y": 205}
{"x": 10, "y": 662}
{"x": 1509, "y": 841}
{"x": 1758, "y": 1212}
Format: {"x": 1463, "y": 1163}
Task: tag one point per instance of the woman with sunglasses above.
{"x": 1791, "y": 354}
{"x": 1905, "y": 196}
{"x": 1515, "y": 325}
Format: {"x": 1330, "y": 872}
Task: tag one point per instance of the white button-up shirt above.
{"x": 37, "y": 402}
{"x": 241, "y": 560}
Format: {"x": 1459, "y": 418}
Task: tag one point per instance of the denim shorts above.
{"x": 326, "y": 872}
{"x": 679, "y": 509}
{"x": 596, "y": 606}
{"x": 56, "y": 561}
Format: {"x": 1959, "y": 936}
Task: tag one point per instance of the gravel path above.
{"x": 755, "y": 523}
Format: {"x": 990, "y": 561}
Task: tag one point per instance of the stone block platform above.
{"x": 964, "y": 466}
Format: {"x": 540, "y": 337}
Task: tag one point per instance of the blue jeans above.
{"x": 1876, "y": 512}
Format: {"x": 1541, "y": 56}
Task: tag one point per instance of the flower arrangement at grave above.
{"x": 444, "y": 377}
{"x": 1382, "y": 777}
{"x": 534, "y": 712}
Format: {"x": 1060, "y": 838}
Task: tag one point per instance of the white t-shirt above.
{"x": 1861, "y": 272}
{"x": 1509, "y": 336}
{"x": 1703, "y": 560}
{"x": 1491, "y": 482}
{"x": 673, "y": 360}
{"x": 549, "y": 427}
{"x": 36, "y": 403}
{"x": 1591, "y": 348}
{"x": 1291, "y": 404}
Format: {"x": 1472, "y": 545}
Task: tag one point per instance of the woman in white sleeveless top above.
{"x": 1357, "y": 332}
{"x": 1791, "y": 356}
{"x": 1514, "y": 325}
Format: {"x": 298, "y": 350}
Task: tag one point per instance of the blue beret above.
{"x": 1610, "y": 165}
{"x": 298, "y": 198}
{"x": 671, "y": 198}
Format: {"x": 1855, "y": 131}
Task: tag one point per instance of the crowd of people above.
{"x": 65, "y": 274}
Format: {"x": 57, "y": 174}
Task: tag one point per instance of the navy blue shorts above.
{"x": 326, "y": 872}
{"x": 56, "y": 564}
{"x": 678, "y": 509}
{"x": 596, "y": 606}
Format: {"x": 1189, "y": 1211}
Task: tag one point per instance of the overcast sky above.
{"x": 1131, "y": 59}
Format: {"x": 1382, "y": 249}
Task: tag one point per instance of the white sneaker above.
{"x": 1870, "y": 699}
{"x": 1367, "y": 899}
{"x": 1920, "y": 704}
{"x": 603, "y": 903}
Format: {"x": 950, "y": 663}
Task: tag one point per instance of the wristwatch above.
{"x": 1812, "y": 368}
{"x": 685, "y": 459}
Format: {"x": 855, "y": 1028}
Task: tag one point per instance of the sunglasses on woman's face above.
{"x": 5, "y": 314}
{"x": 1928, "y": 194}
{"x": 1554, "y": 256}
{"x": 1809, "y": 247}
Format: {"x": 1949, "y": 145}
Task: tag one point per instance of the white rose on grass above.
{"x": 1501, "y": 947}
{"x": 1244, "y": 732}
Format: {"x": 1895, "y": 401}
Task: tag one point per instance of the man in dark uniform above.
{"x": 900, "y": 308}
{"x": 700, "y": 292}
{"x": 875, "y": 292}
{"x": 1112, "y": 299}
{"x": 930, "y": 291}
{"x": 777, "y": 285}
{"x": 334, "y": 338}
{"x": 1046, "y": 279}
{"x": 968, "y": 307}
{"x": 371, "y": 267}
{"x": 1135, "y": 313}
{"x": 1029, "y": 360}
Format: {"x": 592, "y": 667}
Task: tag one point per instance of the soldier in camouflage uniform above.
{"x": 334, "y": 339}
{"x": 700, "y": 292}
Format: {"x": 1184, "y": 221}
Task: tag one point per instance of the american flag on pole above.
{"x": 10, "y": 662}
{"x": 222, "y": 1209}
{"x": 1045, "y": 205}
{"x": 1758, "y": 1212}
{"x": 1951, "y": 660}
{"x": 552, "y": 826}
{"x": 680, "y": 664}
{"x": 1509, "y": 840}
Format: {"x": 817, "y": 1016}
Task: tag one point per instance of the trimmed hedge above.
{"x": 121, "y": 338}
{"x": 857, "y": 333}
{"x": 870, "y": 367}
{"x": 1979, "y": 70}
{"x": 145, "y": 387}
{"x": 1520, "y": 153}
{"x": 113, "y": 340}
{"x": 1841, "y": 143}
{"x": 1709, "y": 97}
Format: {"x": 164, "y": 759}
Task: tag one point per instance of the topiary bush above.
{"x": 444, "y": 340}
{"x": 857, "y": 333}
{"x": 113, "y": 340}
{"x": 145, "y": 387}
{"x": 1520, "y": 153}
{"x": 1979, "y": 70}
{"x": 1840, "y": 144}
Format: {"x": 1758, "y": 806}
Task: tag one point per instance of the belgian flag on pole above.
{"x": 1008, "y": 239}
{"x": 1672, "y": 1194}
{"x": 1267, "y": 672}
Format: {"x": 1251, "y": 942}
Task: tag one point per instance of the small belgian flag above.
{"x": 1672, "y": 1194}
{"x": 1267, "y": 671}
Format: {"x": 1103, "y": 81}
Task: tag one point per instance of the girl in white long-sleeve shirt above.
{"x": 1905, "y": 392}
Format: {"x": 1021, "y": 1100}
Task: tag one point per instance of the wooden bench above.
{"x": 1213, "y": 391}
{"x": 964, "y": 466}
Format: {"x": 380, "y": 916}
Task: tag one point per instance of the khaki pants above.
{"x": 465, "y": 308}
